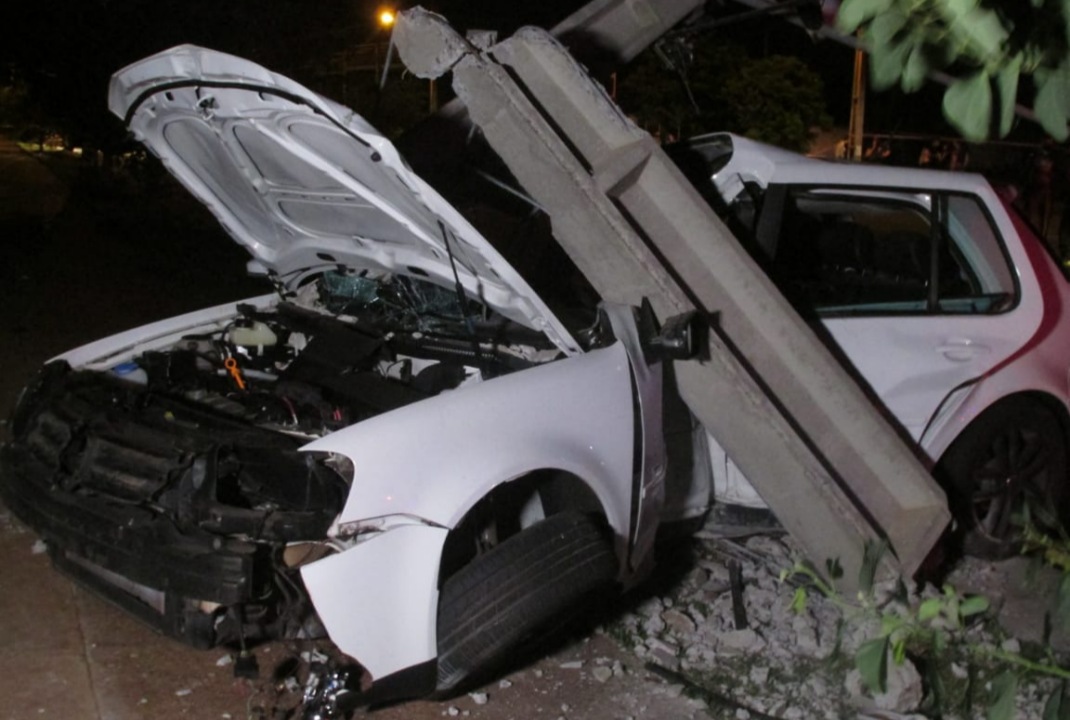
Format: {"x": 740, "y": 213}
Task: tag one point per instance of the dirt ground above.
{"x": 84, "y": 254}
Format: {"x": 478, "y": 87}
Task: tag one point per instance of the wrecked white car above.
{"x": 401, "y": 448}
{"x": 943, "y": 301}
{"x": 404, "y": 449}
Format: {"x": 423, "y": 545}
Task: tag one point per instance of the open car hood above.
{"x": 305, "y": 184}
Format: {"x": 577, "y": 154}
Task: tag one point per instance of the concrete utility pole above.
{"x": 832, "y": 469}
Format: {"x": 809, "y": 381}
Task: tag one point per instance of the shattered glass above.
{"x": 408, "y": 302}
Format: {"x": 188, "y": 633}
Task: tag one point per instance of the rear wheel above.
{"x": 515, "y": 590}
{"x": 1012, "y": 457}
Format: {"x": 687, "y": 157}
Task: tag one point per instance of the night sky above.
{"x": 67, "y": 49}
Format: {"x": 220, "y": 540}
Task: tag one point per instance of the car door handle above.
{"x": 962, "y": 349}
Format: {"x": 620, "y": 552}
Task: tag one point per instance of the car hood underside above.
{"x": 306, "y": 184}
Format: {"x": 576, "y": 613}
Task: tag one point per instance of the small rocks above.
{"x": 902, "y": 694}
{"x": 479, "y": 698}
{"x": 741, "y": 641}
{"x": 678, "y": 622}
{"x": 602, "y": 673}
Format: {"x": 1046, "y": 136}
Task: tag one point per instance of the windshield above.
{"x": 397, "y": 301}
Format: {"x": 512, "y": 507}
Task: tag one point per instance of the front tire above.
{"x": 516, "y": 589}
{"x": 1013, "y": 456}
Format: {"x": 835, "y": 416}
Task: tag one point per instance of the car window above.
{"x": 843, "y": 252}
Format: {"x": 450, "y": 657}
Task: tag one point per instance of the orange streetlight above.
{"x": 386, "y": 17}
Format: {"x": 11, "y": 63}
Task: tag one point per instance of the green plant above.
{"x": 987, "y": 44}
{"x": 935, "y": 628}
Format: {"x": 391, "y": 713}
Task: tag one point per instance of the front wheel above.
{"x": 518, "y": 588}
{"x": 1012, "y": 457}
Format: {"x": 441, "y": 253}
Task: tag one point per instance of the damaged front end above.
{"x": 171, "y": 477}
{"x": 186, "y": 517}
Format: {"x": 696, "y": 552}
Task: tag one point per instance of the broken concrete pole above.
{"x": 605, "y": 33}
{"x": 615, "y": 31}
{"x": 427, "y": 60}
{"x": 832, "y": 469}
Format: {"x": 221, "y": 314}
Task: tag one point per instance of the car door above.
{"x": 914, "y": 288}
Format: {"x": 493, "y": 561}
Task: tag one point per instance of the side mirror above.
{"x": 682, "y": 337}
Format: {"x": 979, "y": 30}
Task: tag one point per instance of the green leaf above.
{"x": 1004, "y": 694}
{"x": 973, "y": 605}
{"x": 917, "y": 69}
{"x": 798, "y": 603}
{"x": 899, "y": 651}
{"x": 886, "y": 63}
{"x": 968, "y": 105}
{"x": 1061, "y": 611}
{"x": 1007, "y": 87}
{"x": 955, "y": 9}
{"x": 890, "y": 623}
{"x": 929, "y": 609}
{"x": 872, "y": 662}
{"x": 1050, "y": 105}
{"x": 1058, "y": 705}
{"x": 885, "y": 27}
{"x": 983, "y": 31}
{"x": 853, "y": 13}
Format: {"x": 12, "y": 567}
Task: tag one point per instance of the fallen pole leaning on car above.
{"x": 834, "y": 471}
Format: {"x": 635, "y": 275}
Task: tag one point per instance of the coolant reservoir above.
{"x": 252, "y": 334}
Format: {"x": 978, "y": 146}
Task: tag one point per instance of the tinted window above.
{"x": 842, "y": 252}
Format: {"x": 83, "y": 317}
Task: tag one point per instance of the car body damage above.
{"x": 403, "y": 400}
{"x": 405, "y": 450}
{"x": 570, "y": 418}
{"x": 852, "y": 246}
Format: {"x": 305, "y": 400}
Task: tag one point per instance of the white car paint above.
{"x": 305, "y": 184}
{"x": 933, "y": 373}
{"x": 379, "y": 599}
{"x": 573, "y": 415}
{"x": 434, "y": 459}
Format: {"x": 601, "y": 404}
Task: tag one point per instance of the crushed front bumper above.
{"x": 174, "y": 512}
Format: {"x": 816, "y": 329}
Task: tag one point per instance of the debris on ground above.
{"x": 789, "y": 663}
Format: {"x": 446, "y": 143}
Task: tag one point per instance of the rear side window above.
{"x": 843, "y": 252}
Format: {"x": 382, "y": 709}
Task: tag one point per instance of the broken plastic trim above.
{"x": 358, "y": 531}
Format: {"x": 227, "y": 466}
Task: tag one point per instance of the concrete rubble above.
{"x": 784, "y": 664}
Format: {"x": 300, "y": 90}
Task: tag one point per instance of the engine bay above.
{"x": 341, "y": 349}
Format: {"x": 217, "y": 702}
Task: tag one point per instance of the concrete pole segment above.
{"x": 830, "y": 467}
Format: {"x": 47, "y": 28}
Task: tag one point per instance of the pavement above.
{"x": 81, "y": 260}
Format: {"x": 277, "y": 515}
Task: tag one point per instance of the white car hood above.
{"x": 306, "y": 184}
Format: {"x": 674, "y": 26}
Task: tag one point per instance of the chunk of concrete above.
{"x": 829, "y": 465}
{"x": 428, "y": 59}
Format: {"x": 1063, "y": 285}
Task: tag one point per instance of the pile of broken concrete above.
{"x": 760, "y": 657}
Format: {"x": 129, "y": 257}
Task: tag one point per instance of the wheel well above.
{"x": 1036, "y": 397}
{"x": 509, "y": 508}
{"x": 982, "y": 510}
